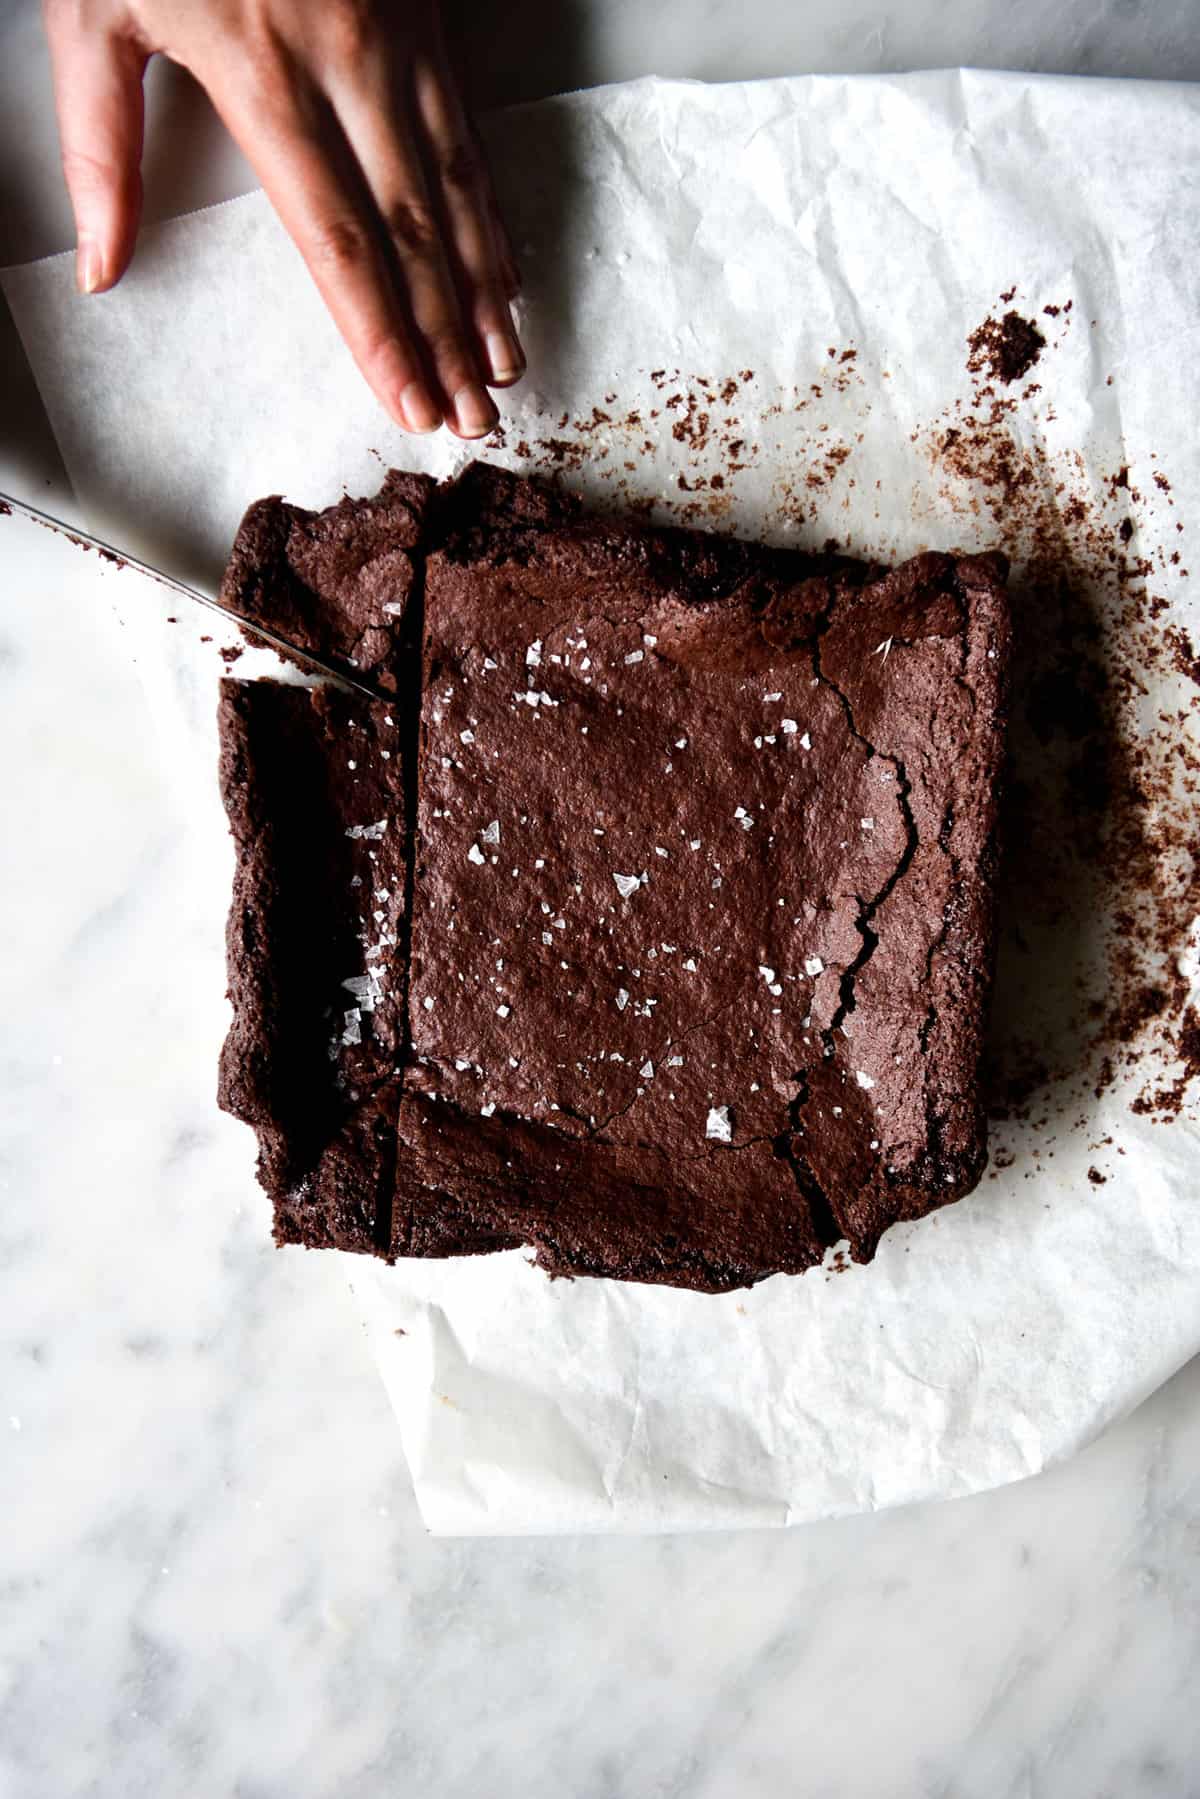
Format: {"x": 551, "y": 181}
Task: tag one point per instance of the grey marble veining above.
{"x": 212, "y": 1576}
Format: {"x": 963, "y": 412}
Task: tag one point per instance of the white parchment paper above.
{"x": 673, "y": 236}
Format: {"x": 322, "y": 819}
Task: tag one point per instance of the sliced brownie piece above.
{"x": 315, "y": 802}
{"x": 317, "y": 940}
{"x": 338, "y": 582}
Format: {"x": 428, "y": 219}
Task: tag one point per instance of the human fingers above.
{"x": 292, "y": 140}
{"x": 374, "y": 105}
{"x": 99, "y": 101}
{"x": 444, "y": 51}
{"x": 482, "y": 260}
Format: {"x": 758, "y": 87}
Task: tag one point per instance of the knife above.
{"x": 85, "y": 540}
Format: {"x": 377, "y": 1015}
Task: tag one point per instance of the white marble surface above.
{"x": 213, "y": 1579}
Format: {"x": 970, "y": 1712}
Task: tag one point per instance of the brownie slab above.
{"x": 695, "y": 973}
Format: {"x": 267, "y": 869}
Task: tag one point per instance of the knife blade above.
{"x": 86, "y": 540}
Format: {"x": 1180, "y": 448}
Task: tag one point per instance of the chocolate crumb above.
{"x": 1100, "y": 882}
{"x": 1183, "y": 653}
{"x": 1007, "y": 348}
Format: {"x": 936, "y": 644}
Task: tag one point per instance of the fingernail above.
{"x": 418, "y": 408}
{"x": 89, "y": 268}
{"x": 474, "y": 412}
{"x": 504, "y": 356}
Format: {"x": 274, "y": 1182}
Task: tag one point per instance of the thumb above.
{"x": 98, "y": 97}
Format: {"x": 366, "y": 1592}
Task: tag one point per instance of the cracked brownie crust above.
{"x": 696, "y": 963}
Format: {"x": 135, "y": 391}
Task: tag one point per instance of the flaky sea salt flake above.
{"x": 719, "y": 1125}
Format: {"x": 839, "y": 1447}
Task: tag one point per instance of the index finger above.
{"x": 98, "y": 98}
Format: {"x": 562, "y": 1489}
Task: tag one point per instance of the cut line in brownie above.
{"x": 701, "y": 924}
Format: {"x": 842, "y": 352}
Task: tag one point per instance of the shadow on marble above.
{"x": 529, "y": 48}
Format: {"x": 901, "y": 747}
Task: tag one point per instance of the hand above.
{"x": 351, "y": 116}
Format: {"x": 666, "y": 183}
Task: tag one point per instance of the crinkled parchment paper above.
{"x": 750, "y": 306}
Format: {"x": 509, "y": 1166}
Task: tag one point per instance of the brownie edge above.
{"x": 316, "y": 1037}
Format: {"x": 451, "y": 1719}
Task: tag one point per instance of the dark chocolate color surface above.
{"x": 338, "y": 582}
{"x": 319, "y": 897}
{"x": 701, "y": 926}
